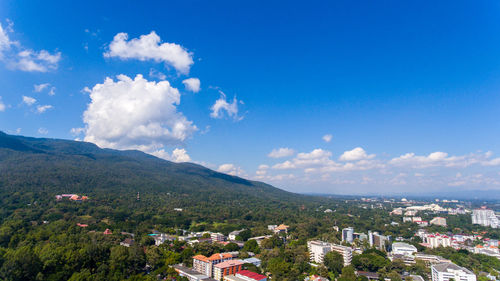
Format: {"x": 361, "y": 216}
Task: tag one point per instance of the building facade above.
{"x": 447, "y": 271}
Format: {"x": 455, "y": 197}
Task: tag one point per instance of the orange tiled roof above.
{"x": 219, "y": 256}
{"x": 282, "y": 226}
{"x": 201, "y": 258}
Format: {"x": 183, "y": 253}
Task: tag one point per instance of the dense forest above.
{"x": 130, "y": 192}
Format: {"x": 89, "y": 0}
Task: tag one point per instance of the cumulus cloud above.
{"x": 150, "y": 47}
{"x": 178, "y": 155}
{"x": 135, "y": 114}
{"x": 230, "y": 169}
{"x": 222, "y": 105}
{"x": 77, "y": 131}
{"x": 18, "y": 57}
{"x": 281, "y": 152}
{"x": 43, "y": 108}
{"x": 439, "y": 158}
{"x": 29, "y": 100}
{"x": 357, "y": 153}
{"x": 327, "y": 138}
{"x": 192, "y": 84}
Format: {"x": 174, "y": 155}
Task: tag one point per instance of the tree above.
{"x": 230, "y": 247}
{"x": 251, "y": 246}
{"x": 334, "y": 262}
{"x": 21, "y": 264}
{"x": 347, "y": 274}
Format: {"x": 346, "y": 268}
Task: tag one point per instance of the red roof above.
{"x": 252, "y": 275}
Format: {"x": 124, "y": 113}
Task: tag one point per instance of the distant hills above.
{"x": 54, "y": 166}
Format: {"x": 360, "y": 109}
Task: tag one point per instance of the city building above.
{"x": 437, "y": 240}
{"x": 447, "y": 271}
{"x": 254, "y": 261}
{"x": 438, "y": 221}
{"x": 400, "y": 248}
{"x": 162, "y": 238}
{"x": 232, "y": 235}
{"x": 127, "y": 242}
{"x": 346, "y": 253}
{"x": 348, "y": 235}
{"x": 318, "y": 250}
{"x": 431, "y": 259}
{"x": 205, "y": 265}
{"x": 378, "y": 241}
{"x": 217, "y": 237}
{"x": 281, "y": 229}
{"x": 245, "y": 275}
{"x": 485, "y": 217}
{"x": 190, "y": 274}
{"x": 226, "y": 268}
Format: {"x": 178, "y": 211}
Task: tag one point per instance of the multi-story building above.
{"x": 431, "y": 259}
{"x": 190, "y": 274}
{"x": 348, "y": 235}
{"x": 485, "y": 217}
{"x": 447, "y": 271}
{"x": 205, "y": 265}
{"x": 438, "y": 240}
{"x": 245, "y": 275}
{"x": 226, "y": 268}
{"x": 438, "y": 221}
{"x": 400, "y": 248}
{"x": 346, "y": 253}
{"x": 318, "y": 250}
{"x": 379, "y": 241}
{"x": 217, "y": 237}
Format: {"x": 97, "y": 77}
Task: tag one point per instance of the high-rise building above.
{"x": 348, "y": 235}
{"x": 485, "y": 217}
{"x": 447, "y": 271}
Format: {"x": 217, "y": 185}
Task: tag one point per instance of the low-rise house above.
{"x": 217, "y": 237}
{"x": 254, "y": 261}
{"x": 232, "y": 235}
{"x": 281, "y": 229}
{"x": 127, "y": 242}
{"x": 316, "y": 278}
{"x": 440, "y": 221}
{"x": 369, "y": 275}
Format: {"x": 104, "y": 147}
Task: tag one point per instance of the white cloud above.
{"x": 357, "y": 153}
{"x": 33, "y": 61}
{"x": 287, "y": 165}
{"x": 222, "y": 105}
{"x": 439, "y": 158}
{"x": 29, "y": 100}
{"x": 327, "y": 138}
{"x": 192, "y": 84}
{"x": 43, "y": 108}
{"x": 43, "y": 131}
{"x": 135, "y": 114}
{"x": 230, "y": 169}
{"x": 40, "y": 87}
{"x": 153, "y": 73}
{"x": 492, "y": 162}
{"x": 52, "y": 91}
{"x": 77, "y": 131}
{"x": 18, "y": 57}
{"x": 281, "y": 152}
{"x": 2, "y": 105}
{"x": 149, "y": 47}
{"x": 178, "y": 155}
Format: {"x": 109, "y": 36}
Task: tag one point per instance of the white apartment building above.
{"x": 348, "y": 235}
{"x": 447, "y": 271}
{"x": 438, "y": 221}
{"x": 318, "y": 250}
{"x": 405, "y": 249}
{"x": 485, "y": 217}
{"x": 437, "y": 240}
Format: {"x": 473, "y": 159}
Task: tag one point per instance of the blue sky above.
{"x": 409, "y": 92}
